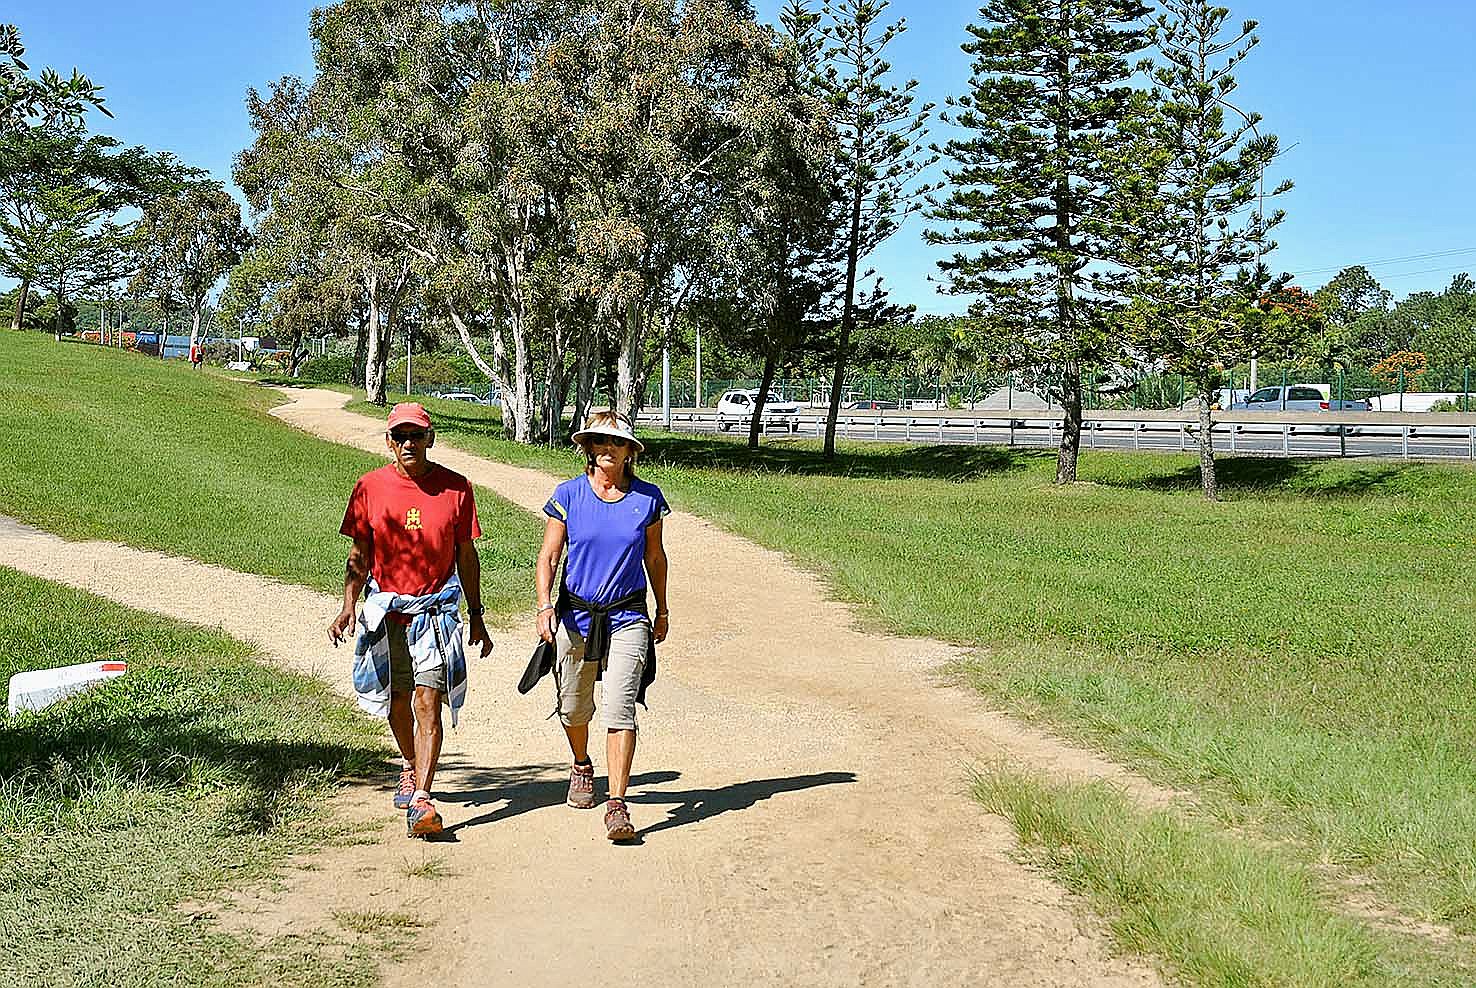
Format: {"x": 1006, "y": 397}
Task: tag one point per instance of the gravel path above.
{"x": 800, "y": 788}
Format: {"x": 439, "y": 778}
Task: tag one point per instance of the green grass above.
{"x": 1218, "y": 909}
{"x": 199, "y": 770}
{"x": 1303, "y": 657}
{"x": 123, "y": 447}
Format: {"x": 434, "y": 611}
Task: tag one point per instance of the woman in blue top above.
{"x": 598, "y": 621}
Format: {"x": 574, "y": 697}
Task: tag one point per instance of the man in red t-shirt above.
{"x": 413, "y": 523}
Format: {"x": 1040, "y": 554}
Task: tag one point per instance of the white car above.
{"x": 462, "y": 396}
{"x": 736, "y": 408}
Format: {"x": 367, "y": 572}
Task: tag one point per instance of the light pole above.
{"x": 666, "y": 386}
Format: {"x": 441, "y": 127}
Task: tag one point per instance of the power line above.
{"x": 1389, "y": 260}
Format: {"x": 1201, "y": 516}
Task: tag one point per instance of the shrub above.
{"x": 328, "y": 369}
{"x": 1445, "y": 405}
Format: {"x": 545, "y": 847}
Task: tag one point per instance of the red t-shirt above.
{"x": 414, "y": 524}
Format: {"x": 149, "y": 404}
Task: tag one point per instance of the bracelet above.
{"x": 545, "y": 607}
{"x": 477, "y": 611}
{"x": 663, "y": 613}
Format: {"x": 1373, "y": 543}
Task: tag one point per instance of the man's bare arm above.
{"x": 355, "y": 575}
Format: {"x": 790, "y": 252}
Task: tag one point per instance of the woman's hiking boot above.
{"x": 617, "y": 821}
{"x": 421, "y": 819}
{"x": 405, "y": 792}
{"x": 582, "y": 786}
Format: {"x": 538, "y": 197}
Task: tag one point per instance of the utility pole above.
{"x": 408, "y": 337}
{"x": 697, "y": 401}
{"x": 666, "y": 386}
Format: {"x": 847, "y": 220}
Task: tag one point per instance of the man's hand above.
{"x": 479, "y": 635}
{"x": 545, "y": 622}
{"x": 340, "y": 626}
{"x": 659, "y": 627}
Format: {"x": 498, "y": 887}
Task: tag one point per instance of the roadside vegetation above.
{"x": 199, "y": 770}
{"x": 1301, "y": 658}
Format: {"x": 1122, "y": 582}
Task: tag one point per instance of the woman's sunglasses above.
{"x": 619, "y": 442}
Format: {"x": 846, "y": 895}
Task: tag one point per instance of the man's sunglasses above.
{"x": 619, "y": 442}
{"x": 401, "y": 438}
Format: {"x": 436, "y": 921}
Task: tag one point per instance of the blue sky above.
{"x": 1375, "y": 103}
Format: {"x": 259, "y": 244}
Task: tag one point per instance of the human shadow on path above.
{"x": 520, "y": 788}
{"x": 694, "y": 805}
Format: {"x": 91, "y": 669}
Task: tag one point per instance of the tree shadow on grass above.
{"x": 802, "y": 457}
{"x": 958, "y": 463}
{"x": 1270, "y": 476}
{"x": 70, "y": 756}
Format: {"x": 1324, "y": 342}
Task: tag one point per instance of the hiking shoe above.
{"x": 617, "y": 821}
{"x": 406, "y": 790}
{"x": 582, "y": 786}
{"x": 421, "y": 819}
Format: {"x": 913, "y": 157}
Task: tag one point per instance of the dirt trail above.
{"x": 799, "y": 787}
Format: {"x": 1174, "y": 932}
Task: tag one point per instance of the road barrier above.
{"x": 1408, "y": 435}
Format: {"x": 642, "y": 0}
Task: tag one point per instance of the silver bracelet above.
{"x": 545, "y": 607}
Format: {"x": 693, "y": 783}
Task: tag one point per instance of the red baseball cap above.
{"x": 409, "y": 413}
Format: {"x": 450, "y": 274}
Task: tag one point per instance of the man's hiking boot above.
{"x": 582, "y": 786}
{"x": 617, "y": 821}
{"x": 421, "y": 819}
{"x": 406, "y": 790}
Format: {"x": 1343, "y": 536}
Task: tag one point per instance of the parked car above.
{"x": 1298, "y": 398}
{"x": 736, "y": 408}
{"x": 462, "y": 396}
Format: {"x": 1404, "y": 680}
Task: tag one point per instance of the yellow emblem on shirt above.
{"x": 412, "y": 520}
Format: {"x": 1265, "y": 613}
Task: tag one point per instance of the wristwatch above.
{"x": 476, "y": 611}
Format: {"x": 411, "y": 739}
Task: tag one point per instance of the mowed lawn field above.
{"x": 1301, "y": 659}
{"x": 203, "y": 768}
{"x": 200, "y": 769}
{"x": 1298, "y": 659}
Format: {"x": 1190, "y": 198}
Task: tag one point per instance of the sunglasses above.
{"x": 401, "y": 438}
{"x": 619, "y": 442}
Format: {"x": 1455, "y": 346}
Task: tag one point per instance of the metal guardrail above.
{"x": 1385, "y": 433}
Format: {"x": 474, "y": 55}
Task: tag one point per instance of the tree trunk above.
{"x": 1207, "y": 449}
{"x": 361, "y": 346}
{"x": 755, "y": 424}
{"x": 376, "y": 357}
{"x": 1067, "y": 328}
{"x": 297, "y": 355}
{"x": 57, "y": 323}
{"x": 586, "y": 372}
{"x": 1066, "y": 456}
{"x": 522, "y": 383}
{"x": 21, "y": 297}
{"x": 848, "y": 320}
{"x": 628, "y": 363}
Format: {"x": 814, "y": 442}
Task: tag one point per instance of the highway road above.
{"x": 1385, "y": 441}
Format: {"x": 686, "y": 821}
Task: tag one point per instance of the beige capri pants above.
{"x": 622, "y": 679}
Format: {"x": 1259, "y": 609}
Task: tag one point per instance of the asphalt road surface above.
{"x": 1375, "y": 441}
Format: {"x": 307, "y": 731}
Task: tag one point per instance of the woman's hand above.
{"x": 545, "y": 624}
{"x": 660, "y": 626}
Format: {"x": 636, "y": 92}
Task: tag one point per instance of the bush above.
{"x": 442, "y": 371}
{"x": 1445, "y": 405}
{"x": 328, "y": 369}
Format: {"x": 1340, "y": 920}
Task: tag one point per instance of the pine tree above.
{"x": 1030, "y": 189}
{"x": 1192, "y": 195}
{"x": 881, "y": 155}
